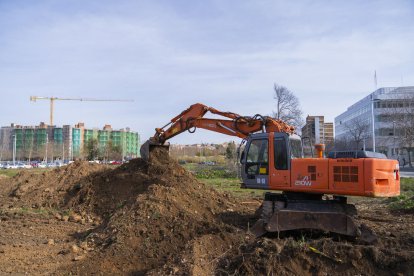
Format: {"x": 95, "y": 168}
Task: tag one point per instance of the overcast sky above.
{"x": 167, "y": 55}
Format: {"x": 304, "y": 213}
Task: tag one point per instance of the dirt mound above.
{"x": 49, "y": 189}
{"x": 145, "y": 217}
{"x": 109, "y": 190}
{"x": 153, "y": 212}
{"x": 309, "y": 257}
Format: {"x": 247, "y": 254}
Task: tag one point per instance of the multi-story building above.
{"x": 317, "y": 131}
{"x": 45, "y": 142}
{"x": 6, "y": 141}
{"x": 370, "y": 123}
{"x": 90, "y": 134}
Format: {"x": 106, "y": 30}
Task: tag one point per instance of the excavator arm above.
{"x": 232, "y": 124}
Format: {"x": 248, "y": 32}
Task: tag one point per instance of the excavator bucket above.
{"x": 149, "y": 146}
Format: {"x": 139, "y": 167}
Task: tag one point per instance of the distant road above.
{"x": 407, "y": 173}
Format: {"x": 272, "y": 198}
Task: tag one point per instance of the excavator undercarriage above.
{"x": 295, "y": 211}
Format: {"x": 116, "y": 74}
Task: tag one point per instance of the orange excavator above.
{"x": 312, "y": 191}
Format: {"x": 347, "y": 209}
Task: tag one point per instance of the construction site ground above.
{"x": 158, "y": 219}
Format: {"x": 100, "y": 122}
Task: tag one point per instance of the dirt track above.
{"x": 158, "y": 219}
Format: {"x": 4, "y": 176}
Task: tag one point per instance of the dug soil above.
{"x": 155, "y": 218}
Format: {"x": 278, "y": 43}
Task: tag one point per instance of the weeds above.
{"x": 300, "y": 243}
{"x": 405, "y": 201}
{"x": 121, "y": 204}
{"x": 67, "y": 212}
{"x": 202, "y": 171}
{"x": 402, "y": 202}
{"x": 156, "y": 215}
{"x": 35, "y": 211}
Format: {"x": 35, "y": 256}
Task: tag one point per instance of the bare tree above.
{"x": 231, "y": 151}
{"x": 407, "y": 138}
{"x": 358, "y": 130}
{"x": 342, "y": 143}
{"x": 287, "y": 106}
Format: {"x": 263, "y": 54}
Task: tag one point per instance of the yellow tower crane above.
{"x": 53, "y": 99}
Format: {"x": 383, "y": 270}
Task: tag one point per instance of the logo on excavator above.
{"x": 303, "y": 182}
{"x": 174, "y": 130}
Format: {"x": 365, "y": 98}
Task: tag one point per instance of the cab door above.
{"x": 255, "y": 162}
{"x": 279, "y": 168}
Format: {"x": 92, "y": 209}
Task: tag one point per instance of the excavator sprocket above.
{"x": 295, "y": 211}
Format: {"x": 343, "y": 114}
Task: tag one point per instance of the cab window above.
{"x": 257, "y": 158}
{"x": 296, "y": 148}
{"x": 281, "y": 155}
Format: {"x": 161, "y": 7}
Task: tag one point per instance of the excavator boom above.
{"x": 233, "y": 124}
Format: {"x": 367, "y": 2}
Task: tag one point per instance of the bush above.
{"x": 214, "y": 172}
{"x": 208, "y": 174}
{"x": 402, "y": 202}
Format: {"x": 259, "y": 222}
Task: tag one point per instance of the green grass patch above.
{"x": 220, "y": 159}
{"x": 35, "y": 211}
{"x": 232, "y": 186}
{"x": 9, "y": 172}
{"x": 190, "y": 166}
{"x": 221, "y": 178}
{"x": 214, "y": 173}
{"x": 13, "y": 172}
{"x": 405, "y": 201}
{"x": 203, "y": 171}
{"x": 407, "y": 185}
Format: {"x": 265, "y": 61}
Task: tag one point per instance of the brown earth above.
{"x": 157, "y": 219}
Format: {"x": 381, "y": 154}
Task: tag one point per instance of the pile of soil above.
{"x": 142, "y": 217}
{"x": 50, "y": 189}
{"x": 156, "y": 217}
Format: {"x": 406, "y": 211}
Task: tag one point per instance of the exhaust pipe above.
{"x": 320, "y": 149}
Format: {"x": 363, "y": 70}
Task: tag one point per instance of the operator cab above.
{"x": 256, "y": 157}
